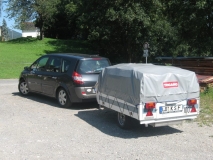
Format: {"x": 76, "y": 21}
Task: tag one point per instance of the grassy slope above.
{"x": 16, "y": 54}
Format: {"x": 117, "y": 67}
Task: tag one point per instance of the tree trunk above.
{"x": 130, "y": 57}
{"x": 129, "y": 52}
{"x": 41, "y": 23}
{"x": 41, "y": 32}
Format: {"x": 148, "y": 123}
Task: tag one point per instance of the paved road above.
{"x": 35, "y": 127}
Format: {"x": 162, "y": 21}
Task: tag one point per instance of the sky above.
{"x": 10, "y": 22}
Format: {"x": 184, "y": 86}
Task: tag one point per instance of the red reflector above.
{"x": 83, "y": 93}
{"x": 192, "y": 102}
{"x": 150, "y": 105}
{"x": 149, "y": 112}
{"x": 193, "y": 109}
{"x": 77, "y": 78}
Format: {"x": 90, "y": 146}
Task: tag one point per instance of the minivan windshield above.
{"x": 95, "y": 65}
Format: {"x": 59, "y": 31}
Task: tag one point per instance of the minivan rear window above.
{"x": 92, "y": 65}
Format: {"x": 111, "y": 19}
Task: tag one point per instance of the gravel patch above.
{"x": 34, "y": 127}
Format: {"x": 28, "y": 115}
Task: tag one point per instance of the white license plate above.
{"x": 170, "y": 109}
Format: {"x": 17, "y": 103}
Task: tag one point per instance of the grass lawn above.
{"x": 206, "y": 108}
{"x": 18, "y": 53}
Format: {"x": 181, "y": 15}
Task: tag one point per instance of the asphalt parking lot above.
{"x": 34, "y": 127}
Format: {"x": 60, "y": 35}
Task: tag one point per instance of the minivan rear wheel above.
{"x": 63, "y": 98}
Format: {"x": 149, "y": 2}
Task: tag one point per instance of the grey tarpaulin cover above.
{"x": 141, "y": 83}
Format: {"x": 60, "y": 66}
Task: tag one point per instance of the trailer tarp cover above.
{"x": 141, "y": 83}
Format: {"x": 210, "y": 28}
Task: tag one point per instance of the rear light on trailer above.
{"x": 149, "y": 107}
{"x": 77, "y": 78}
{"x": 83, "y": 93}
{"x": 192, "y": 103}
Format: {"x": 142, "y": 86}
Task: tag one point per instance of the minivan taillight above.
{"x": 77, "y": 78}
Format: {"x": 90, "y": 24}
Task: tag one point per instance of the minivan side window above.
{"x": 65, "y": 66}
{"x": 54, "y": 64}
{"x": 40, "y": 64}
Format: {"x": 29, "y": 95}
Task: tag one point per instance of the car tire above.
{"x": 23, "y": 88}
{"x": 124, "y": 121}
{"x": 63, "y": 98}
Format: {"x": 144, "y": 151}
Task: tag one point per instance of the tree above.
{"x": 39, "y": 11}
{"x": 194, "y": 22}
{"x": 64, "y": 24}
{"x": 1, "y": 6}
{"x": 121, "y": 27}
{"x": 4, "y": 31}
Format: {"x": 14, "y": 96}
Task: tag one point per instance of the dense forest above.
{"x": 119, "y": 28}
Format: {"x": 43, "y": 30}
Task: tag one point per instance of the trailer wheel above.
{"x": 124, "y": 121}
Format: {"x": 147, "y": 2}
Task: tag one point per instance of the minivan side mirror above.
{"x": 27, "y": 68}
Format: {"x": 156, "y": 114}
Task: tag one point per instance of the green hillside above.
{"x": 18, "y": 53}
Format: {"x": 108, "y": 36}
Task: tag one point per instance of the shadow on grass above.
{"x": 23, "y": 40}
{"x": 50, "y": 45}
{"x": 69, "y": 46}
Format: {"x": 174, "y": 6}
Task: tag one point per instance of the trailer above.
{"x": 152, "y": 94}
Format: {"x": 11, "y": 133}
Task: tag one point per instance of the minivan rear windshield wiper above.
{"x": 93, "y": 72}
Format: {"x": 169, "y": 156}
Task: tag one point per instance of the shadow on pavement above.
{"x": 105, "y": 121}
{"x": 53, "y": 102}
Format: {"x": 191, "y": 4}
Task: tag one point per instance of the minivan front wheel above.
{"x": 23, "y": 88}
{"x": 63, "y": 98}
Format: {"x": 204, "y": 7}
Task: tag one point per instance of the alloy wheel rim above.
{"x": 62, "y": 97}
{"x": 24, "y": 88}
